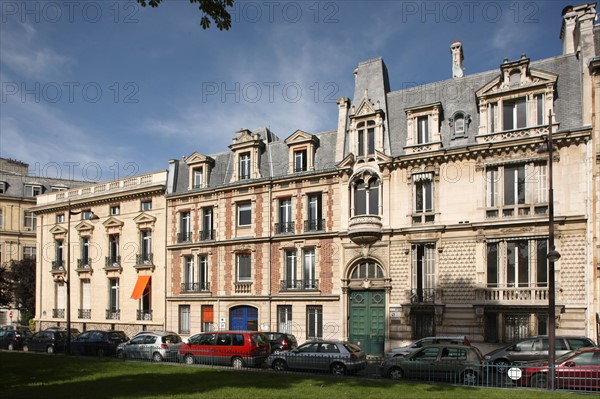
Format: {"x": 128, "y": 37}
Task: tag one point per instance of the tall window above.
{"x": 113, "y": 294}
{"x": 244, "y": 214}
{"x": 423, "y": 273}
{"x": 285, "y": 216}
{"x": 185, "y": 233}
{"x": 29, "y": 220}
{"x": 315, "y": 213}
{"x": 423, "y": 194}
{"x": 284, "y": 318}
{"x": 291, "y": 268}
{"x": 198, "y": 178}
{"x": 300, "y": 160}
{"x": 59, "y": 299}
{"x": 59, "y": 259}
{"x": 203, "y": 272}
{"x": 189, "y": 277}
{"x": 515, "y": 188}
{"x": 423, "y": 129}
{"x": 514, "y": 114}
{"x": 184, "y": 319}
{"x": 309, "y": 269}
{"x": 314, "y": 322}
{"x": 113, "y": 248}
{"x": 517, "y": 263}
{"x": 86, "y": 299}
{"x": 366, "y": 138}
{"x": 1, "y": 220}
{"x": 244, "y": 166}
{"x": 146, "y": 245}
{"x": 85, "y": 251}
{"x": 208, "y": 318}
{"x": 244, "y": 270}
{"x": 207, "y": 232}
{"x": 366, "y": 197}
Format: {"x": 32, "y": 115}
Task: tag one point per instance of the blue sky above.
{"x": 98, "y": 90}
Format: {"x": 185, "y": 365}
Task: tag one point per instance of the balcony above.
{"x": 84, "y": 265}
{"x": 207, "y": 235}
{"x": 58, "y": 266}
{"x": 195, "y": 287}
{"x": 299, "y": 285}
{"x": 507, "y": 295}
{"x": 285, "y": 228}
{"x": 517, "y": 211}
{"x": 143, "y": 315}
{"x": 365, "y": 229}
{"x": 243, "y": 288}
{"x": 58, "y": 313}
{"x": 144, "y": 261}
{"x": 314, "y": 225}
{"x": 425, "y": 295}
{"x": 113, "y": 314}
{"x": 112, "y": 263}
{"x": 184, "y": 237}
{"x": 84, "y": 313}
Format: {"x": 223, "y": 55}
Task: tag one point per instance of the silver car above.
{"x": 415, "y": 346}
{"x": 156, "y": 346}
{"x": 336, "y": 357}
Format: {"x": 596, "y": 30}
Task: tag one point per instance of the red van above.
{"x": 226, "y": 348}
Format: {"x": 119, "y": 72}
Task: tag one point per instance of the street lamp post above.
{"x": 553, "y": 256}
{"x": 68, "y": 281}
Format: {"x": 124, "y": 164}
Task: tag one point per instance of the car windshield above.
{"x": 352, "y": 348}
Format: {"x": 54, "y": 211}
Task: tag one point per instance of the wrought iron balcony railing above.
{"x": 285, "y": 228}
{"x": 58, "y": 313}
{"x": 84, "y": 264}
{"x": 84, "y": 313}
{"x": 144, "y": 259}
{"x": 58, "y": 266}
{"x": 112, "y": 262}
{"x": 296, "y": 285}
{"x": 143, "y": 314}
{"x": 184, "y": 237}
{"x": 195, "y": 287}
{"x": 314, "y": 225}
{"x": 207, "y": 235}
{"x": 113, "y": 314}
{"x": 423, "y": 295}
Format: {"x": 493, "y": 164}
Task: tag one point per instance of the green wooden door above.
{"x": 367, "y": 320}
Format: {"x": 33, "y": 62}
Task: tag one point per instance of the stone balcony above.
{"x": 365, "y": 229}
{"x": 512, "y": 295}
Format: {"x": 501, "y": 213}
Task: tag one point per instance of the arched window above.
{"x": 366, "y": 270}
{"x": 366, "y": 196}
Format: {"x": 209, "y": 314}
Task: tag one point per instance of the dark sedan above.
{"x": 578, "y": 369}
{"x": 13, "y": 340}
{"x": 98, "y": 343}
{"x": 46, "y": 341}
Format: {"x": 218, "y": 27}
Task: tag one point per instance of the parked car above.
{"x": 407, "y": 350}
{"x": 281, "y": 341}
{"x": 74, "y": 332}
{"x": 534, "y": 348}
{"x": 578, "y": 369}
{"x": 98, "y": 342}
{"x": 13, "y": 340}
{"x": 226, "y": 348}
{"x": 336, "y": 357}
{"x": 46, "y": 341}
{"x": 449, "y": 362}
{"x": 157, "y": 346}
{"x": 15, "y": 327}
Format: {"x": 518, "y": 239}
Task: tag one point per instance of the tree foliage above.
{"x": 21, "y": 277}
{"x": 6, "y": 297}
{"x": 210, "y": 9}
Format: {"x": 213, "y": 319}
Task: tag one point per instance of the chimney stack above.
{"x": 457, "y": 59}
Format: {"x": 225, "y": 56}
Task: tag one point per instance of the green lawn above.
{"x": 29, "y": 375}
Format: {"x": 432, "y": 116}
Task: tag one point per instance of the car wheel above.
{"x": 189, "y": 359}
{"x": 121, "y": 354}
{"x": 539, "y": 381}
{"x": 237, "y": 363}
{"x": 100, "y": 352}
{"x": 279, "y": 365}
{"x": 25, "y": 348}
{"x": 157, "y": 357}
{"x": 50, "y": 349}
{"x": 338, "y": 369}
{"x": 11, "y": 347}
{"x": 502, "y": 365}
{"x": 396, "y": 373}
{"x": 469, "y": 377}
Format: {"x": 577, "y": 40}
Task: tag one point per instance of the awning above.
{"x": 140, "y": 285}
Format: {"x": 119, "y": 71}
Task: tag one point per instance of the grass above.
{"x": 30, "y": 375}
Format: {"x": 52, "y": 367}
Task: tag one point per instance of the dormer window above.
{"x": 2, "y": 187}
{"x": 423, "y": 126}
{"x": 423, "y": 129}
{"x": 300, "y": 160}
{"x": 459, "y": 123}
{"x": 302, "y": 148}
{"x": 32, "y": 190}
{"x": 244, "y": 166}
{"x": 366, "y": 138}
{"x": 199, "y": 170}
{"x": 197, "y": 177}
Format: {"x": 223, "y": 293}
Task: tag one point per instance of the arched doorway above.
{"x": 366, "y": 302}
{"x": 243, "y": 318}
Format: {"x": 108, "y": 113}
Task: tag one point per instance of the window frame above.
{"x": 243, "y": 260}
{"x": 314, "y": 321}
{"x": 244, "y": 166}
{"x": 32, "y": 190}
{"x": 244, "y": 212}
